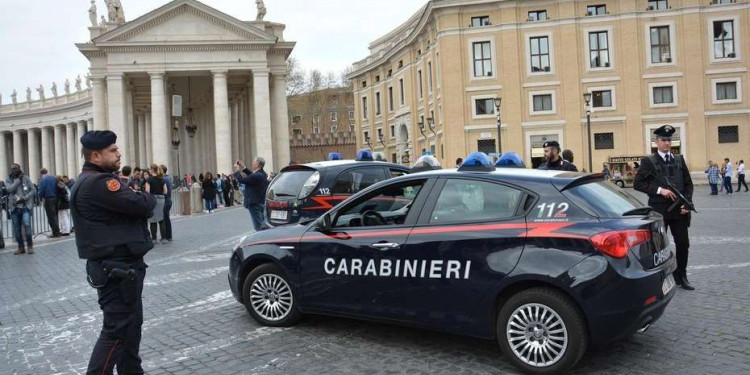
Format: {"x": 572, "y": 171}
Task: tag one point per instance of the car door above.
{"x": 470, "y": 235}
{"x": 352, "y": 268}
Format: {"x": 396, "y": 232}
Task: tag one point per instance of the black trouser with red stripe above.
{"x": 120, "y": 338}
{"x": 678, "y": 224}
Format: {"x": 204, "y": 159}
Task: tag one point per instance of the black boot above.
{"x": 2, "y": 243}
{"x": 685, "y": 283}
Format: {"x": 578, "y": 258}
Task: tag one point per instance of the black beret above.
{"x": 664, "y": 131}
{"x": 98, "y": 139}
{"x": 551, "y": 144}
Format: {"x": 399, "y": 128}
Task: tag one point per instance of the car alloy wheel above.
{"x": 271, "y": 297}
{"x": 537, "y": 335}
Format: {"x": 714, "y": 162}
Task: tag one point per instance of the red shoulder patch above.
{"x": 113, "y": 185}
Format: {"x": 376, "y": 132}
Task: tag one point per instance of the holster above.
{"x": 110, "y": 273}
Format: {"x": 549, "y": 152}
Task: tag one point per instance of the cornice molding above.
{"x": 187, "y": 48}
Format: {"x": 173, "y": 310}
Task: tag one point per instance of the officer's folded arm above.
{"x": 125, "y": 201}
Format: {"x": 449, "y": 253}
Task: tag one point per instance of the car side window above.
{"x": 388, "y": 206}
{"x": 471, "y": 200}
{"x": 354, "y": 180}
{"x": 396, "y": 173}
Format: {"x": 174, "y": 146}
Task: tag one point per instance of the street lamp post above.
{"x": 176, "y": 144}
{"x": 380, "y": 138}
{"x": 431, "y": 125}
{"x": 367, "y": 141}
{"x": 421, "y": 130}
{"x": 587, "y": 99}
{"x": 498, "y": 101}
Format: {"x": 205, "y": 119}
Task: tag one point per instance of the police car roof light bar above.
{"x": 364, "y": 155}
{"x": 477, "y": 162}
{"x": 334, "y": 156}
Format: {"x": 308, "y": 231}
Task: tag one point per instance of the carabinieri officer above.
{"x": 110, "y": 222}
{"x": 664, "y": 164}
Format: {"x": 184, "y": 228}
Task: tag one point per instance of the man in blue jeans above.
{"x": 167, "y": 204}
{"x": 21, "y": 194}
{"x": 48, "y": 194}
{"x": 256, "y": 183}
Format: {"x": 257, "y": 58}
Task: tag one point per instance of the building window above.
{"x": 429, "y": 76}
{"x": 390, "y": 99}
{"x": 538, "y": 15}
{"x": 296, "y": 119}
{"x": 419, "y": 83}
{"x": 334, "y": 116}
{"x": 393, "y": 131}
{"x": 724, "y": 40}
{"x": 364, "y": 84}
{"x": 315, "y": 130}
{"x": 661, "y": 51}
{"x": 480, "y": 21}
{"x": 377, "y": 78}
{"x": 484, "y": 106}
{"x": 377, "y": 104}
{"x": 351, "y": 115}
{"x": 604, "y": 141}
{"x": 400, "y": 64}
{"x": 729, "y": 134}
{"x": 663, "y": 95}
{"x": 599, "y": 49}
{"x": 596, "y": 10}
{"x": 540, "y": 54}
{"x": 393, "y": 159}
{"x": 482, "y": 59}
{"x": 351, "y": 128}
{"x": 296, "y": 132}
{"x": 366, "y": 136}
{"x": 722, "y": 1}
{"x": 401, "y": 90}
{"x": 726, "y": 91}
{"x": 542, "y": 103}
{"x": 486, "y": 145}
{"x": 334, "y": 128}
{"x": 658, "y": 5}
{"x": 364, "y": 107}
{"x": 602, "y": 98}
{"x": 316, "y": 119}
{"x": 390, "y": 72}
{"x": 380, "y": 133}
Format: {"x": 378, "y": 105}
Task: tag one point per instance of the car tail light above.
{"x": 616, "y": 244}
{"x": 309, "y": 185}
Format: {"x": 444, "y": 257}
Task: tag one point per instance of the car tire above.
{"x": 269, "y": 297}
{"x": 620, "y": 184}
{"x": 561, "y": 328}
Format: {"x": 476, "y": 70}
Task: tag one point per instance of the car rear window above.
{"x": 288, "y": 183}
{"x": 603, "y": 199}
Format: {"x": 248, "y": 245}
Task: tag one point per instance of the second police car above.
{"x": 545, "y": 262}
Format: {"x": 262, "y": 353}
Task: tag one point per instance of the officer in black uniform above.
{"x": 650, "y": 180}
{"x": 553, "y": 159}
{"x": 110, "y": 221}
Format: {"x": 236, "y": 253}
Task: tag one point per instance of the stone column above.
{"x": 34, "y": 167}
{"x": 17, "y": 147}
{"x": 129, "y": 125}
{"x": 59, "y": 158}
{"x": 117, "y": 116}
{"x": 71, "y": 149}
{"x": 235, "y": 129}
{"x": 262, "y": 107}
{"x": 280, "y": 121}
{"x": 142, "y": 137}
{"x": 47, "y": 149}
{"x": 81, "y": 128}
{"x": 241, "y": 102}
{"x": 149, "y": 144}
{"x": 222, "y": 128}
{"x": 4, "y": 164}
{"x": 247, "y": 139}
{"x": 99, "y": 91}
{"x": 159, "y": 126}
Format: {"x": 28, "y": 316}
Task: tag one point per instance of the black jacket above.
{"x": 255, "y": 183}
{"x": 560, "y": 165}
{"x": 646, "y": 181}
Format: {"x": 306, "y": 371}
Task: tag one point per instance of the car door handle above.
{"x": 385, "y": 245}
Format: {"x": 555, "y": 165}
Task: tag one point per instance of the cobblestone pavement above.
{"x": 49, "y": 318}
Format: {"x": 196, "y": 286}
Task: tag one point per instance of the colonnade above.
{"x": 55, "y": 148}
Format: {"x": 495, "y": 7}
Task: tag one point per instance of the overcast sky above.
{"x": 37, "y": 36}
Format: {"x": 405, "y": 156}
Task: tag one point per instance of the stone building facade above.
{"x": 645, "y": 63}
{"x": 321, "y": 122}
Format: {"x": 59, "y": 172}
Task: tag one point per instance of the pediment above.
{"x": 184, "y": 21}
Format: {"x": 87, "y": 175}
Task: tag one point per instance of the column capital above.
{"x": 157, "y": 75}
{"x": 220, "y": 73}
{"x": 115, "y": 76}
{"x": 261, "y": 73}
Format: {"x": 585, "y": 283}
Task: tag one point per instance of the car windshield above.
{"x": 288, "y": 183}
{"x": 603, "y": 199}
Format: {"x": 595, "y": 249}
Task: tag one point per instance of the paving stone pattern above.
{"x": 49, "y": 318}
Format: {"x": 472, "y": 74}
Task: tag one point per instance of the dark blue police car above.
{"x": 546, "y": 262}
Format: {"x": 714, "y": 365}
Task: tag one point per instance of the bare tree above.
{"x": 344, "y": 82}
{"x": 296, "y": 78}
{"x": 330, "y": 81}
{"x": 315, "y": 81}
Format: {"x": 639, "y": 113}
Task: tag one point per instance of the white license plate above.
{"x": 668, "y": 284}
{"x": 278, "y": 215}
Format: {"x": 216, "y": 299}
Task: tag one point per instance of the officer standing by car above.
{"x": 553, "y": 160}
{"x": 110, "y": 222}
{"x": 652, "y": 177}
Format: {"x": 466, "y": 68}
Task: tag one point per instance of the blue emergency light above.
{"x": 426, "y": 163}
{"x": 477, "y": 162}
{"x": 364, "y": 155}
{"x": 510, "y": 160}
{"x": 334, "y": 156}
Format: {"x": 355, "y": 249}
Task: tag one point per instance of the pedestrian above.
{"x": 168, "y": 203}
{"x": 568, "y": 156}
{"x": 741, "y": 176}
{"x": 110, "y": 222}
{"x": 713, "y": 177}
{"x": 135, "y": 181}
{"x": 553, "y": 161}
{"x": 728, "y": 174}
{"x": 672, "y": 168}
{"x": 459, "y": 161}
{"x": 21, "y": 193}
{"x": 155, "y": 186}
{"x": 69, "y": 182}
{"x": 605, "y": 172}
{"x": 209, "y": 193}
{"x": 48, "y": 194}
{"x": 256, "y": 183}
{"x": 125, "y": 175}
{"x": 63, "y": 207}
{"x": 3, "y": 208}
{"x": 219, "y": 190}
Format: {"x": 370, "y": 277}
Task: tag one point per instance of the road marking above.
{"x": 713, "y": 266}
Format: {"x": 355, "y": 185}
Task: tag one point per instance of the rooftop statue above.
{"x": 261, "y": 10}
{"x": 92, "y": 13}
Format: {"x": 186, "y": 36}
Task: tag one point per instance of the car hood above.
{"x": 284, "y": 234}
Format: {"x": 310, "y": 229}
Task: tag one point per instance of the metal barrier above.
{"x": 39, "y": 222}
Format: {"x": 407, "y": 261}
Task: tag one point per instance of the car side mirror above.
{"x": 323, "y": 224}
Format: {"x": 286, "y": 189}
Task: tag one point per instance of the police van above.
{"x": 545, "y": 262}
{"x": 306, "y": 191}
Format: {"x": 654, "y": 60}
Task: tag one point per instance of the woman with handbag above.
{"x": 155, "y": 186}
